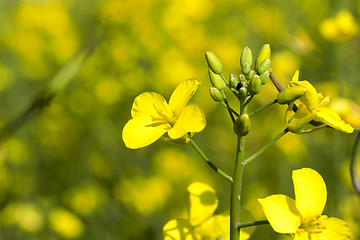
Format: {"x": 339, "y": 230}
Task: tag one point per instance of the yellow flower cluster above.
{"x": 341, "y": 28}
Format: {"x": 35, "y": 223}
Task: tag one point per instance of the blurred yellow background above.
{"x": 66, "y": 174}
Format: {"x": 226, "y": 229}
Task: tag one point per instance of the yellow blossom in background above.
{"x": 312, "y": 107}
{"x": 65, "y": 223}
{"x": 144, "y": 195}
{"x": 201, "y": 223}
{"x": 301, "y": 218}
{"x": 25, "y": 215}
{"x": 340, "y": 28}
{"x": 347, "y": 110}
{"x": 153, "y": 116}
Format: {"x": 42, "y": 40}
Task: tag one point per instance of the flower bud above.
{"x": 216, "y": 80}
{"x": 246, "y": 56}
{"x": 264, "y": 66}
{"x": 243, "y": 92}
{"x": 216, "y": 94}
{"x": 251, "y": 74}
{"x": 242, "y": 125}
{"x": 242, "y": 78}
{"x": 246, "y": 68}
{"x": 265, "y": 52}
{"x": 264, "y": 77}
{"x": 213, "y": 62}
{"x": 232, "y": 81}
{"x": 290, "y": 94}
{"x": 254, "y": 85}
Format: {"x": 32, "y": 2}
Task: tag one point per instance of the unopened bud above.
{"x": 264, "y": 77}
{"x": 246, "y": 56}
{"x": 246, "y": 68}
{"x": 216, "y": 94}
{"x": 242, "y": 78}
{"x": 243, "y": 92}
{"x": 242, "y": 125}
{"x": 254, "y": 85}
{"x": 264, "y": 66}
{"x": 290, "y": 94}
{"x": 265, "y": 52}
{"x": 251, "y": 74}
{"x": 232, "y": 81}
{"x": 213, "y": 62}
{"x": 216, "y": 80}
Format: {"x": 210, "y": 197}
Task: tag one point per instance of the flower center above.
{"x": 163, "y": 116}
{"x": 312, "y": 226}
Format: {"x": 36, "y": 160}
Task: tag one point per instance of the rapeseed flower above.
{"x": 311, "y": 107}
{"x": 201, "y": 224}
{"x": 152, "y": 117}
{"x": 301, "y": 218}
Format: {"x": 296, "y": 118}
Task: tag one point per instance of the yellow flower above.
{"x": 311, "y": 107}
{"x": 202, "y": 224}
{"x": 340, "y": 28}
{"x": 301, "y": 218}
{"x": 152, "y": 117}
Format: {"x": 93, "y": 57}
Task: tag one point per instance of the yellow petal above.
{"x": 331, "y": 118}
{"x": 178, "y": 229}
{"x": 217, "y": 226}
{"x": 310, "y": 192}
{"x": 310, "y": 98}
{"x": 281, "y": 212}
{"x": 302, "y": 235}
{"x": 182, "y": 94}
{"x": 147, "y": 103}
{"x": 335, "y": 228}
{"x": 203, "y": 203}
{"x": 142, "y": 131}
{"x": 192, "y": 119}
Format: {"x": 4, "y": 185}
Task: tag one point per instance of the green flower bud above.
{"x": 242, "y": 125}
{"x": 246, "y": 56}
{"x": 243, "y": 92}
{"x": 246, "y": 68}
{"x": 251, "y": 74}
{"x": 265, "y": 52}
{"x": 290, "y": 94}
{"x": 213, "y": 62}
{"x": 232, "y": 81}
{"x": 264, "y": 66}
{"x": 254, "y": 85}
{"x": 264, "y": 77}
{"x": 216, "y": 80}
{"x": 242, "y": 78}
{"x": 216, "y": 94}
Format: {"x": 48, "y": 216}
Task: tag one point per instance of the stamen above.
{"x": 163, "y": 116}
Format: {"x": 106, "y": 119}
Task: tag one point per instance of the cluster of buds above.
{"x": 252, "y": 76}
{"x": 249, "y": 82}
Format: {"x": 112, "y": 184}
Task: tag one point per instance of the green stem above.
{"x": 211, "y": 164}
{"x": 249, "y": 159}
{"x": 353, "y": 165}
{"x": 262, "y": 108}
{"x": 250, "y": 224}
{"x": 237, "y": 184}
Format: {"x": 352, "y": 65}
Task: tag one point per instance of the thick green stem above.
{"x": 249, "y": 159}
{"x": 237, "y": 184}
{"x": 251, "y": 224}
{"x": 211, "y": 164}
{"x": 353, "y": 165}
{"x": 262, "y": 108}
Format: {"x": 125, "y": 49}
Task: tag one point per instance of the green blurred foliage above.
{"x": 66, "y": 173}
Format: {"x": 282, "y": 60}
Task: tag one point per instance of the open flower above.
{"x": 301, "y": 218}
{"x": 201, "y": 224}
{"x": 152, "y": 116}
{"x": 311, "y": 107}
